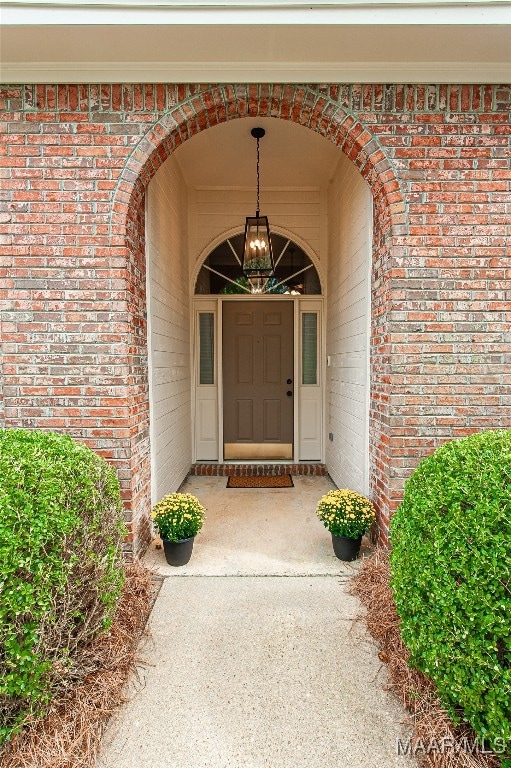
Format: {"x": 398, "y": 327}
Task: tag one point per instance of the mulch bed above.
{"x": 260, "y": 481}
{"x": 69, "y": 736}
{"x": 431, "y": 722}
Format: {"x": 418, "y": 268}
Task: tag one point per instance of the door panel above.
{"x": 257, "y": 362}
{"x": 245, "y": 425}
{"x": 272, "y": 417}
{"x": 244, "y": 359}
{"x": 272, "y": 359}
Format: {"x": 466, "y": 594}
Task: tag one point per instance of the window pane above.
{"x": 309, "y": 348}
{"x": 207, "y": 348}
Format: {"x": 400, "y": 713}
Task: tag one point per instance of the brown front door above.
{"x": 258, "y": 379}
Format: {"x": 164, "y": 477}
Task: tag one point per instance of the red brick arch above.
{"x": 307, "y": 106}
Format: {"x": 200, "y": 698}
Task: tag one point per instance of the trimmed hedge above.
{"x": 61, "y": 529}
{"x": 451, "y": 579}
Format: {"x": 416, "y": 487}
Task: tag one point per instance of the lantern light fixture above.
{"x": 257, "y": 265}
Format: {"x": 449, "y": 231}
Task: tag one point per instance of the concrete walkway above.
{"x": 254, "y": 661}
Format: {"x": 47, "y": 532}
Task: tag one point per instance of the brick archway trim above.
{"x": 212, "y": 105}
{"x": 304, "y": 105}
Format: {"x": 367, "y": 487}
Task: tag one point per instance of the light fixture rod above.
{"x": 258, "y": 134}
{"x": 258, "y": 207}
{"x": 257, "y": 262}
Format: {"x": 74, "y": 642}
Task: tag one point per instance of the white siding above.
{"x": 348, "y": 308}
{"x": 169, "y": 329}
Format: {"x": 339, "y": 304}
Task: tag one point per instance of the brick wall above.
{"x": 74, "y": 165}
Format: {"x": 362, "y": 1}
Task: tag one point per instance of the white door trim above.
{"x": 214, "y": 304}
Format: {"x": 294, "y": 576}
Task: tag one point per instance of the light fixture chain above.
{"x": 258, "y": 179}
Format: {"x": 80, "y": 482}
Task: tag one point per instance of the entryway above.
{"x": 258, "y": 531}
{"x": 259, "y": 379}
{"x": 321, "y": 228}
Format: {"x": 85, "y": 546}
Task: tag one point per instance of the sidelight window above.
{"x": 206, "y": 348}
{"x": 309, "y": 348}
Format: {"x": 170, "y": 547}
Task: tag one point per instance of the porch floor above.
{"x": 255, "y": 660}
{"x": 257, "y": 532}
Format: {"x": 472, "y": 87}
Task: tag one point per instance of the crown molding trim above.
{"x": 254, "y": 72}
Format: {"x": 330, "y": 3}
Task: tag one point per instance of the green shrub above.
{"x": 61, "y": 528}
{"x": 451, "y": 579}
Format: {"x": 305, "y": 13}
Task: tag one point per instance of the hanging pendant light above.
{"x": 257, "y": 252}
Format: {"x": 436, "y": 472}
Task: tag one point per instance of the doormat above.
{"x": 260, "y": 481}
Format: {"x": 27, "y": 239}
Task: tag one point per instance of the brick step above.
{"x": 224, "y": 470}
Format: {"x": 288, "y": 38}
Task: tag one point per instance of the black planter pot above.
{"x": 345, "y": 548}
{"x": 178, "y": 552}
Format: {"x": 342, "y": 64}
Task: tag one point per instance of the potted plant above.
{"x": 347, "y": 515}
{"x": 178, "y": 517}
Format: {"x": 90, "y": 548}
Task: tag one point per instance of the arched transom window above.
{"x": 221, "y": 272}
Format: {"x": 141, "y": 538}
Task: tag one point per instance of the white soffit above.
{"x": 59, "y": 41}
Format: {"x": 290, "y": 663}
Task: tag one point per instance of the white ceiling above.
{"x": 225, "y": 156}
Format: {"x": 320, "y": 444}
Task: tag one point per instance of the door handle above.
{"x": 289, "y": 393}
{"x": 289, "y": 381}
